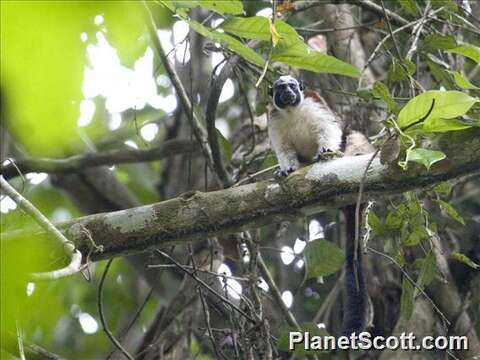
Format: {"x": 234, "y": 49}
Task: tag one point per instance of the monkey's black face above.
{"x": 286, "y": 92}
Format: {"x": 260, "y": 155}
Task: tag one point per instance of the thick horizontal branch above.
{"x": 330, "y": 184}
{"x": 80, "y": 162}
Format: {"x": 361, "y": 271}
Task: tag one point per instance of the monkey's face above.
{"x": 286, "y": 92}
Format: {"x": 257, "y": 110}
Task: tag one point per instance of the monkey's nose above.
{"x": 288, "y": 97}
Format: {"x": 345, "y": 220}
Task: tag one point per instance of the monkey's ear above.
{"x": 301, "y": 85}
{"x": 270, "y": 91}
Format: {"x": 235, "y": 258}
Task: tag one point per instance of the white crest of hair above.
{"x": 286, "y": 78}
{"x": 303, "y": 130}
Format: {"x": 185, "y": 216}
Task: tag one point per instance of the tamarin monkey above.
{"x": 303, "y": 129}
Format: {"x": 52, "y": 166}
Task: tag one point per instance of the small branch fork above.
{"x": 205, "y": 285}
{"x": 77, "y": 163}
{"x": 401, "y": 28}
{"x": 75, "y": 256}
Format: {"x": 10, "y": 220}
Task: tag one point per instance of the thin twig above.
{"x": 75, "y": 256}
{"x": 137, "y": 314}
{"x": 277, "y": 296}
{"x": 195, "y": 122}
{"x": 272, "y": 45}
{"x": 389, "y": 25}
{"x": 238, "y": 278}
{"x": 205, "y": 285}
{"x": 11, "y": 162}
{"x": 21, "y": 350}
{"x": 408, "y": 277}
{"x": 31, "y": 350}
{"x": 330, "y": 299}
{"x": 76, "y": 163}
{"x": 102, "y": 315}
{"x": 206, "y": 312}
{"x": 358, "y": 205}
{"x": 417, "y": 30}
{"x": 252, "y": 176}
{"x": 313, "y": 31}
{"x": 382, "y": 42}
{"x": 370, "y": 5}
{"x": 364, "y": 176}
{"x": 243, "y": 92}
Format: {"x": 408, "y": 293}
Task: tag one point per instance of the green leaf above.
{"x": 169, "y": 4}
{"x": 233, "y": 44}
{"x": 436, "y": 41}
{"x": 290, "y": 49}
{"x": 258, "y": 28}
{"x": 436, "y": 70}
{"x": 444, "y": 125}
{"x": 43, "y": 61}
{"x": 450, "y": 210}
{"x": 381, "y": 91}
{"x": 443, "y": 189}
{"x": 409, "y": 66}
{"x": 322, "y": 258}
{"x": 225, "y": 146}
{"x": 394, "y": 219}
{"x": 255, "y": 27}
{"x": 428, "y": 267}
{"x": 401, "y": 70}
{"x": 234, "y": 7}
{"x": 425, "y": 157}
{"x": 274, "y": 33}
{"x": 406, "y": 300}
{"x": 464, "y": 259}
{"x": 375, "y": 223}
{"x": 414, "y": 236}
{"x": 409, "y": 6}
{"x": 301, "y": 56}
{"x": 128, "y": 34}
{"x": 450, "y": 6}
{"x": 462, "y": 81}
{"x": 468, "y": 50}
{"x": 364, "y": 94}
{"x": 269, "y": 161}
{"x": 448, "y": 105}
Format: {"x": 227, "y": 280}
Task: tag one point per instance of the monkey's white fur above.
{"x": 302, "y": 131}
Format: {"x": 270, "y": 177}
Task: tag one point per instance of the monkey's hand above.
{"x": 326, "y": 154}
{"x": 280, "y": 173}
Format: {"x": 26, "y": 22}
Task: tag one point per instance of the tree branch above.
{"x": 78, "y": 163}
{"x": 330, "y": 184}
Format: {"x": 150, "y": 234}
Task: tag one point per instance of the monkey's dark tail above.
{"x": 356, "y": 297}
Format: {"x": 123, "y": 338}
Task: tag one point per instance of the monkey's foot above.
{"x": 326, "y": 154}
{"x": 279, "y": 173}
